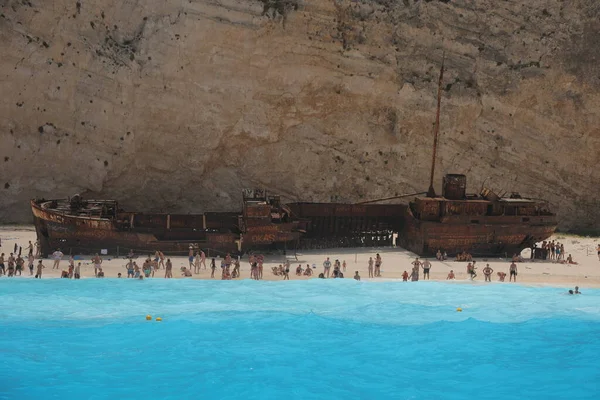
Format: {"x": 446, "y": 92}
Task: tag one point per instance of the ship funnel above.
{"x": 454, "y": 187}
{"x": 489, "y": 195}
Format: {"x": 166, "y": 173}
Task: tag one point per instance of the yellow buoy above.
{"x": 148, "y": 317}
{"x": 158, "y": 319}
{"x": 459, "y": 309}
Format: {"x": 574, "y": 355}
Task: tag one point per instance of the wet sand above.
{"x": 395, "y": 262}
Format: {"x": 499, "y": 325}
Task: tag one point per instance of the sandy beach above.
{"x": 395, "y": 261}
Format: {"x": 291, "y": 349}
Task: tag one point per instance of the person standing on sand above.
{"x": 286, "y": 271}
{"x": 416, "y": 264}
{"x": 197, "y": 263}
{"x": 97, "y": 261}
{"x": 344, "y": 265}
{"x": 77, "y": 271}
{"x": 57, "y": 256}
{"x": 261, "y": 259}
{"x": 20, "y": 265}
{"x": 40, "y": 266}
{"x": 513, "y": 272}
{"x": 30, "y": 248}
{"x": 471, "y": 271}
{"x": 370, "y": 267}
{"x": 426, "y": 267}
{"x": 487, "y": 273}
{"x": 169, "y": 269}
{"x": 405, "y": 276}
{"x": 161, "y": 262}
{"x": 415, "y": 273}
{"x": 129, "y": 267}
{"x": 203, "y": 259}
{"x": 30, "y": 260}
{"x": 326, "y": 267}
{"x": 191, "y": 257}
{"x": 378, "y": 263}
{"x": 213, "y": 266}
{"x": 2, "y": 268}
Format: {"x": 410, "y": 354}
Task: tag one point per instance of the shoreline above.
{"x": 538, "y": 273}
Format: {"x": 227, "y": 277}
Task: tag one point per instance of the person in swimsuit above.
{"x": 487, "y": 273}
{"x": 100, "y": 273}
{"x": 40, "y": 267}
{"x": 416, "y": 263}
{"x": 371, "y": 262}
{"x": 136, "y": 270}
{"x": 405, "y": 276}
{"x": 356, "y": 276}
{"x": 2, "y": 268}
{"x": 30, "y": 260}
{"x": 326, "y": 267}
{"x": 129, "y": 267}
{"x": 197, "y": 263}
{"x": 77, "y": 271}
{"x": 161, "y": 262}
{"x": 450, "y": 276}
{"x": 501, "y": 276}
{"x": 513, "y": 272}
{"x": 11, "y": 265}
{"x": 286, "y": 271}
{"x": 344, "y": 265}
{"x": 20, "y": 263}
{"x": 378, "y": 263}
{"x": 191, "y": 257}
{"x": 426, "y": 267}
{"x": 57, "y": 256}
{"x": 415, "y": 274}
{"x": 169, "y": 269}
{"x": 97, "y": 260}
{"x": 308, "y": 270}
{"x": 213, "y": 267}
{"x": 471, "y": 271}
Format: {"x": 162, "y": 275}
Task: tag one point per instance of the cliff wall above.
{"x": 177, "y": 105}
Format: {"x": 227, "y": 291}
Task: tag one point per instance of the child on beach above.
{"x": 501, "y": 276}
{"x": 405, "y": 276}
{"x": 450, "y": 276}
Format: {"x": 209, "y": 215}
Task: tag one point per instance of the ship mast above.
{"x": 431, "y": 191}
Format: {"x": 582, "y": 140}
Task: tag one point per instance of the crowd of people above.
{"x": 17, "y": 264}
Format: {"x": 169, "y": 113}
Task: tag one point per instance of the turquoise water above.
{"x": 317, "y": 339}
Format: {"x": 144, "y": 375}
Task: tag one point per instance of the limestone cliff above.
{"x": 177, "y": 105}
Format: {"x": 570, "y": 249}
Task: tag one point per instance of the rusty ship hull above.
{"x": 482, "y": 224}
{"x": 87, "y": 227}
{"x": 487, "y": 237}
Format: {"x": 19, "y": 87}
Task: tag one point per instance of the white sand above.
{"x": 395, "y": 261}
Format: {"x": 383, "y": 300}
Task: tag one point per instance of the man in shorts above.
{"x": 426, "y": 267}
{"x": 97, "y": 261}
{"x": 57, "y": 256}
{"x": 513, "y": 272}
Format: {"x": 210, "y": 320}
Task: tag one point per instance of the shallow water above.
{"x": 325, "y": 339}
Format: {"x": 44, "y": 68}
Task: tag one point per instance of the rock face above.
{"x": 176, "y": 106}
